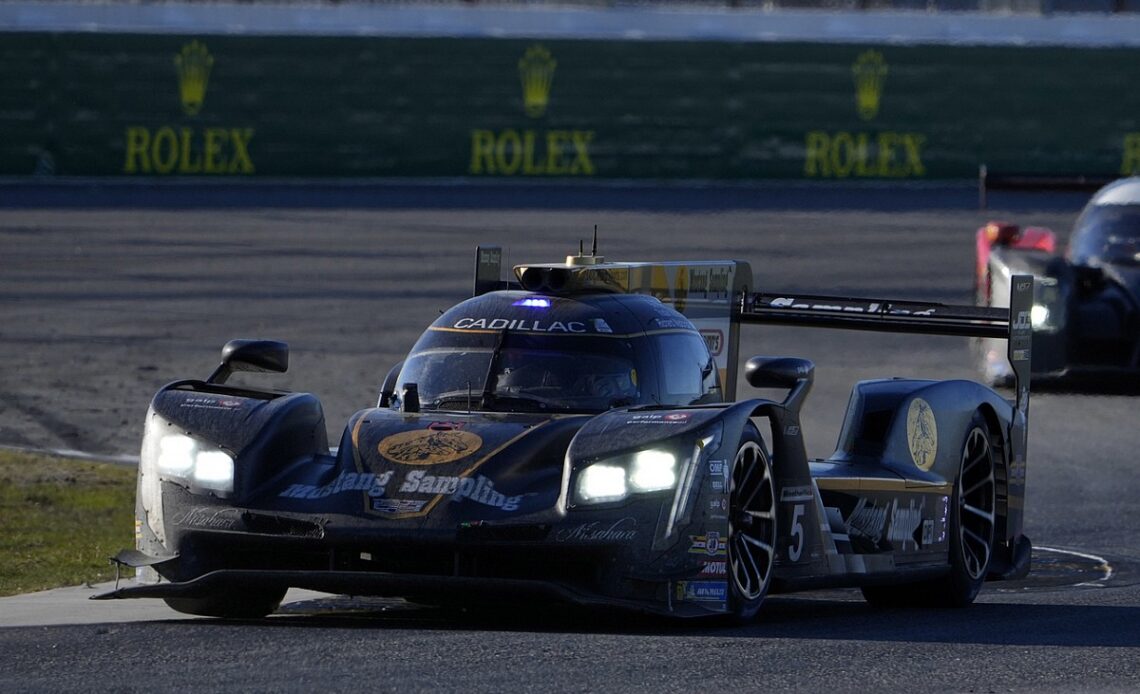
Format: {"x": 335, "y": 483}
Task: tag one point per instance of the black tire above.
{"x": 972, "y": 522}
{"x": 236, "y": 603}
{"x": 751, "y": 527}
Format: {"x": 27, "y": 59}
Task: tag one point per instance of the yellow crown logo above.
{"x": 193, "y": 63}
{"x": 536, "y": 69}
{"x": 870, "y": 71}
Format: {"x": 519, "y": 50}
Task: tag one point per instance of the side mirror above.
{"x": 251, "y": 355}
{"x": 778, "y": 372}
{"x": 389, "y": 388}
{"x": 792, "y": 373}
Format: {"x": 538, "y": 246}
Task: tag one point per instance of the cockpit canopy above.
{"x": 1108, "y": 230}
{"x": 518, "y": 351}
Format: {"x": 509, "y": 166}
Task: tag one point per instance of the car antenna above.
{"x": 582, "y": 258}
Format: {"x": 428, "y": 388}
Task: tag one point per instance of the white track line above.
{"x": 1103, "y": 565}
{"x": 78, "y": 455}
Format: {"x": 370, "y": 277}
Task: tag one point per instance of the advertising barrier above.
{"x": 133, "y": 105}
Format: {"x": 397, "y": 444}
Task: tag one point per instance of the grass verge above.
{"x": 60, "y": 521}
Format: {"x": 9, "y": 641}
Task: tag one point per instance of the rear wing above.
{"x": 1004, "y": 180}
{"x": 716, "y": 297}
{"x": 888, "y": 315}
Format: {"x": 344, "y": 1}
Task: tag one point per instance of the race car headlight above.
{"x": 1039, "y": 315}
{"x": 600, "y": 482}
{"x": 201, "y": 465}
{"x": 613, "y": 479}
{"x": 652, "y": 471}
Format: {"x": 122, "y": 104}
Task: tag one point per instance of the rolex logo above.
{"x": 536, "y": 69}
{"x": 870, "y": 71}
{"x": 193, "y": 63}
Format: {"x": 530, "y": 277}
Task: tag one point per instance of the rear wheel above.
{"x": 238, "y": 603}
{"x": 751, "y": 527}
{"x": 972, "y": 517}
{"x": 972, "y": 520}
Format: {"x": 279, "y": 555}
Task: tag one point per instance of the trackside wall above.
{"x": 166, "y": 105}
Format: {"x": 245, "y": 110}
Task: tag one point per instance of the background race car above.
{"x": 1086, "y": 306}
{"x": 573, "y": 435}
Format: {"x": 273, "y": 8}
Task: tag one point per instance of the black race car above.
{"x": 1086, "y": 308}
{"x": 573, "y": 436}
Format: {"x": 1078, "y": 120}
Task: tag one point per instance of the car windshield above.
{"x": 526, "y": 373}
{"x": 1107, "y": 234}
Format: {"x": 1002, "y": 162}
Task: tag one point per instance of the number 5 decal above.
{"x": 794, "y": 550}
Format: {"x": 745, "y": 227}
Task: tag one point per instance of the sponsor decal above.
{"x": 710, "y": 543}
{"x": 871, "y": 307}
{"x": 718, "y": 505}
{"x": 184, "y": 148}
{"x": 714, "y": 340}
{"x": 524, "y": 325}
{"x": 659, "y": 418}
{"x": 532, "y": 151}
{"x": 601, "y": 326}
{"x": 921, "y": 434}
{"x": 883, "y": 154}
{"x": 709, "y": 282}
{"x": 671, "y": 324}
{"x": 943, "y": 518}
{"x": 870, "y": 70}
{"x": 371, "y": 483}
{"x": 622, "y": 530}
{"x": 800, "y": 493}
{"x": 398, "y": 505}
{"x": 1017, "y": 470}
{"x": 479, "y": 489}
{"x": 905, "y": 526}
{"x": 211, "y": 518}
{"x": 445, "y": 426}
{"x": 904, "y": 523}
{"x": 429, "y": 446}
{"x": 791, "y": 430}
{"x": 867, "y": 521}
{"x": 201, "y": 402}
{"x": 714, "y": 568}
{"x": 702, "y": 591}
{"x": 718, "y": 475}
{"x": 1023, "y": 321}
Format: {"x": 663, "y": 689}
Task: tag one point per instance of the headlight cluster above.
{"x": 613, "y": 479}
{"x": 1039, "y": 315}
{"x": 176, "y": 456}
{"x": 648, "y": 470}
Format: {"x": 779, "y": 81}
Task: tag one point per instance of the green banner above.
{"x": 220, "y": 106}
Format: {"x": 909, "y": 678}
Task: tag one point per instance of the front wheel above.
{"x": 751, "y": 526}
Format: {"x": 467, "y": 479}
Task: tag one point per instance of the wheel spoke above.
{"x": 975, "y": 537}
{"x": 761, "y": 484}
{"x": 973, "y": 488}
{"x": 766, "y": 515}
{"x": 767, "y": 548}
{"x": 979, "y": 512}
